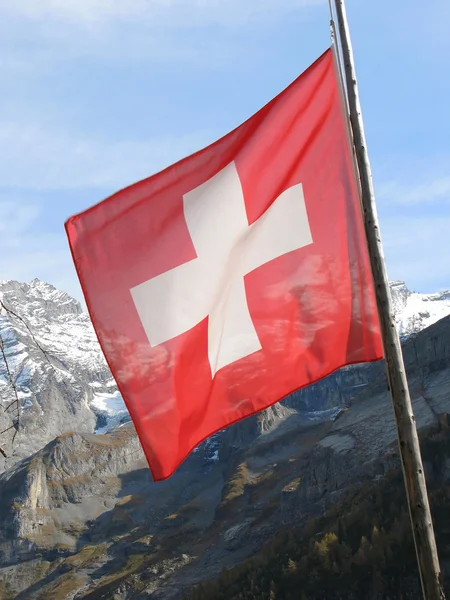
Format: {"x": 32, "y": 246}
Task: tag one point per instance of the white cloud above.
{"x": 39, "y": 158}
{"x": 15, "y": 221}
{"x": 180, "y": 13}
{"x": 418, "y": 250}
{"x": 27, "y": 252}
{"x": 415, "y": 221}
{"x": 432, "y": 191}
{"x": 83, "y": 10}
{"x": 36, "y": 158}
{"x": 139, "y": 30}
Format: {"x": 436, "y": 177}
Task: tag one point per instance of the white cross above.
{"x": 212, "y": 285}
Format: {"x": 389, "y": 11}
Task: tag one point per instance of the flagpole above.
{"x": 416, "y": 491}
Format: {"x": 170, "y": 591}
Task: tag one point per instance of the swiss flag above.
{"x": 234, "y": 277}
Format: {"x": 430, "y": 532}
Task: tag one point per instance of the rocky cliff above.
{"x": 64, "y": 384}
{"x": 82, "y": 519}
{"x": 62, "y": 379}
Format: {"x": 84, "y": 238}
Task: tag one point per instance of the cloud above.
{"x": 40, "y": 158}
{"x": 178, "y": 13}
{"x": 415, "y": 221}
{"x": 435, "y": 190}
{"x": 83, "y": 10}
{"x": 36, "y": 161}
{"x": 15, "y": 220}
{"x": 27, "y": 252}
{"x": 418, "y": 251}
{"x": 46, "y": 43}
{"x": 142, "y": 31}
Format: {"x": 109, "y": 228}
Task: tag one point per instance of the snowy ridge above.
{"x": 109, "y": 407}
{"x": 69, "y": 356}
{"x": 330, "y": 414}
{"x": 414, "y": 312}
{"x": 70, "y": 386}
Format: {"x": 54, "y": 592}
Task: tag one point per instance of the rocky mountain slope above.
{"x": 82, "y": 519}
{"x": 61, "y": 376}
{"x": 64, "y": 384}
{"x": 413, "y": 311}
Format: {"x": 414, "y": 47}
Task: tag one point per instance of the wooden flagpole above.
{"x": 416, "y": 491}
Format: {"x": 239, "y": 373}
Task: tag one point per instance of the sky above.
{"x": 97, "y": 94}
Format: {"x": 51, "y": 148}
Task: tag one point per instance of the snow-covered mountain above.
{"x": 414, "y": 312}
{"x": 61, "y": 376}
{"x": 63, "y": 381}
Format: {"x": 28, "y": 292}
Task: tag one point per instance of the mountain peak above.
{"x": 77, "y": 389}
{"x": 413, "y": 311}
{"x": 398, "y": 284}
{"x": 42, "y": 285}
{"x": 38, "y": 300}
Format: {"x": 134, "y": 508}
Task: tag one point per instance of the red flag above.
{"x": 234, "y": 277}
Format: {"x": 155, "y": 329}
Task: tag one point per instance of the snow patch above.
{"x": 109, "y": 403}
{"x": 66, "y": 334}
{"x": 210, "y": 448}
{"x": 110, "y": 409}
{"x": 414, "y": 312}
{"x": 324, "y": 415}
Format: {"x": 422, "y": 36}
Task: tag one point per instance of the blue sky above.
{"x": 96, "y": 94}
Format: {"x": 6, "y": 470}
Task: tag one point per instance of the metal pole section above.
{"x": 416, "y": 491}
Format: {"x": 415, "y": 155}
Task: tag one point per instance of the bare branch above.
{"x": 11, "y": 380}
{"x": 19, "y": 318}
{"x": 9, "y": 406}
{"x": 13, "y": 426}
{"x": 16, "y": 430}
{"x": 16, "y": 402}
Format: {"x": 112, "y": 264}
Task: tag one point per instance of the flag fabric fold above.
{"x": 234, "y": 277}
